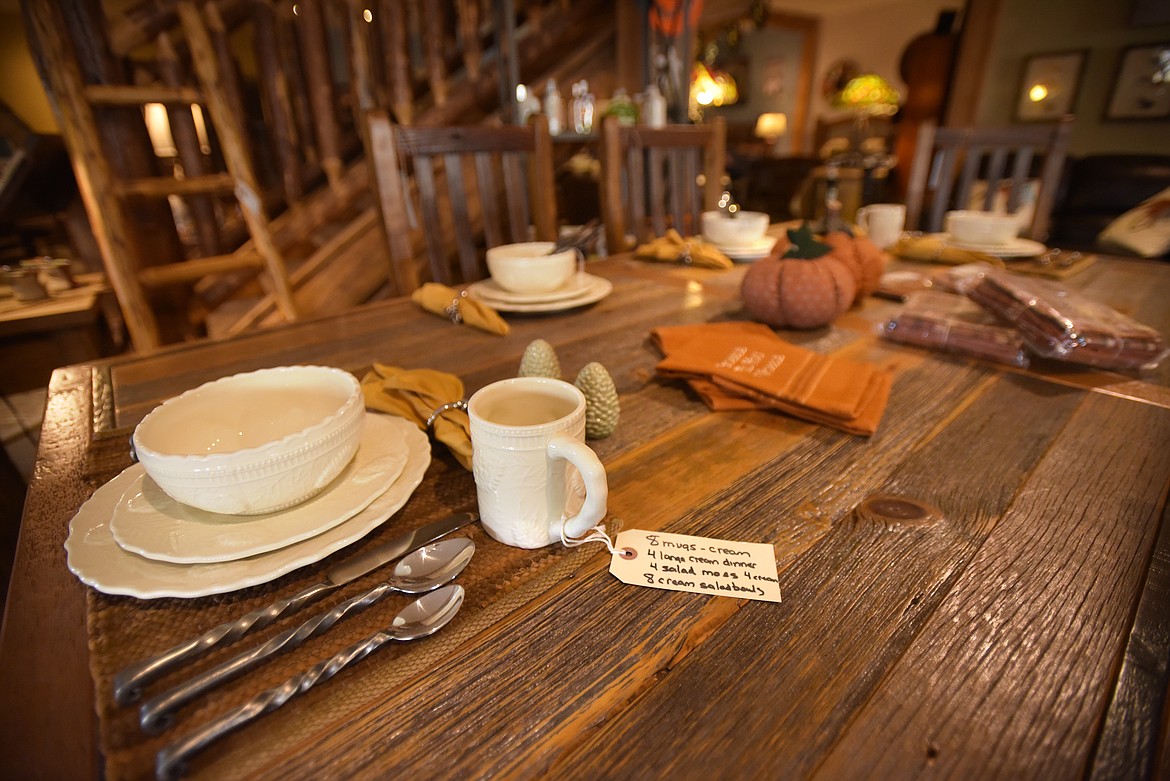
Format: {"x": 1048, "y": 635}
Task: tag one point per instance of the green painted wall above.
{"x": 1100, "y": 27}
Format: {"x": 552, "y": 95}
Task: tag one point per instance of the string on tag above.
{"x": 596, "y": 534}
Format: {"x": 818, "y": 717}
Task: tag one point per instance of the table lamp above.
{"x": 771, "y": 127}
{"x": 866, "y": 96}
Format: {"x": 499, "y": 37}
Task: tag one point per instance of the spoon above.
{"x": 423, "y": 570}
{"x": 423, "y": 617}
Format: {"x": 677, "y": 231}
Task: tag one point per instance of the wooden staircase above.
{"x": 273, "y": 218}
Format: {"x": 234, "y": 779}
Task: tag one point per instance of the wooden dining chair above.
{"x": 657, "y": 178}
{"x": 474, "y": 187}
{"x": 950, "y": 163}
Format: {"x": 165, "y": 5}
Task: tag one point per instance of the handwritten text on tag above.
{"x": 680, "y": 562}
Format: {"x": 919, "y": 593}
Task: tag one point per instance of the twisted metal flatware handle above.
{"x": 171, "y": 761}
{"x": 158, "y": 714}
{"x": 130, "y": 681}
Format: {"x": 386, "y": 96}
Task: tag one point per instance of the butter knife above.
{"x": 130, "y": 681}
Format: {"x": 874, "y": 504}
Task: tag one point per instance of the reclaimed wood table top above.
{"x": 1024, "y": 634}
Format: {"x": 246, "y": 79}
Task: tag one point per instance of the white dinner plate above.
{"x": 1016, "y": 248}
{"x": 150, "y": 523}
{"x": 593, "y": 289}
{"x": 489, "y": 290}
{"x": 97, "y": 560}
{"x": 755, "y": 251}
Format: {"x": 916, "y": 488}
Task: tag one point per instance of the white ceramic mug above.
{"x": 883, "y": 222}
{"x": 533, "y": 471}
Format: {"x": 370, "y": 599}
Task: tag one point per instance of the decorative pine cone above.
{"x": 602, "y": 408}
{"x": 540, "y": 360}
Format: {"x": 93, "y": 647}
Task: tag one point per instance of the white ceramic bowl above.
{"x": 255, "y": 442}
{"x": 528, "y": 268}
{"x": 742, "y": 230}
{"x": 982, "y": 228}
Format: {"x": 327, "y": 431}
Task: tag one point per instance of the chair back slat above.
{"x": 425, "y": 178}
{"x": 476, "y": 186}
{"x": 493, "y": 224}
{"x": 461, "y": 216}
{"x": 388, "y": 181}
{"x": 946, "y": 178}
{"x": 970, "y": 173}
{"x": 657, "y": 178}
{"x": 515, "y": 184}
{"x": 1023, "y": 164}
{"x": 983, "y": 155}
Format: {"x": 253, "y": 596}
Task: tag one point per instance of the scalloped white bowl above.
{"x": 742, "y": 230}
{"x": 256, "y": 442}
{"x": 982, "y": 228}
{"x": 529, "y": 268}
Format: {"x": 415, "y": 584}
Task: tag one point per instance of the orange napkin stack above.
{"x": 746, "y": 366}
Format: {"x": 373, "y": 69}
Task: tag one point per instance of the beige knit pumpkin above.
{"x": 799, "y": 292}
{"x": 863, "y": 258}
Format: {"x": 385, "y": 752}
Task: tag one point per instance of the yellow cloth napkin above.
{"x": 414, "y": 394}
{"x": 439, "y": 299}
{"x": 748, "y": 361}
{"x": 673, "y": 248}
{"x": 937, "y": 250}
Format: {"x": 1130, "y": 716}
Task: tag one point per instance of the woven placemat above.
{"x": 123, "y": 630}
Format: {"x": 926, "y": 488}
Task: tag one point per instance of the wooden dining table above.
{"x": 1022, "y": 631}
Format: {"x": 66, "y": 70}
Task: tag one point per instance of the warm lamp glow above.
{"x": 869, "y": 94}
{"x": 771, "y": 126}
{"x": 712, "y": 87}
{"x": 1037, "y": 93}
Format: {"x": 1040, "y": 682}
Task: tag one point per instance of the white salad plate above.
{"x": 150, "y": 523}
{"x": 490, "y": 290}
{"x": 96, "y": 559}
{"x": 754, "y": 251}
{"x": 1016, "y": 248}
{"x": 592, "y": 289}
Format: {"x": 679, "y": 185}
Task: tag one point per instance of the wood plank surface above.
{"x": 1021, "y": 635}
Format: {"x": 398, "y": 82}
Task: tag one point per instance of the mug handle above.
{"x": 592, "y": 472}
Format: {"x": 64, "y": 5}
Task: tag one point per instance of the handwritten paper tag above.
{"x": 702, "y": 565}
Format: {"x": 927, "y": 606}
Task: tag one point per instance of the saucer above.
{"x": 592, "y": 290}
{"x": 1016, "y": 248}
{"x": 754, "y": 251}
{"x": 96, "y": 559}
{"x": 488, "y": 290}
{"x": 150, "y": 523}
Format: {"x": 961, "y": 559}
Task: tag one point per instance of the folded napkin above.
{"x": 458, "y": 307}
{"x": 731, "y": 364}
{"x": 937, "y": 250}
{"x": 673, "y": 248}
{"x": 414, "y": 394}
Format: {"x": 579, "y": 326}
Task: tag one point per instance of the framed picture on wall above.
{"x": 1049, "y": 84}
{"x": 1141, "y": 89}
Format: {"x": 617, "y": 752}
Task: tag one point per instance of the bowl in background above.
{"x": 982, "y": 228}
{"x": 744, "y": 229}
{"x": 256, "y": 442}
{"x": 528, "y": 268}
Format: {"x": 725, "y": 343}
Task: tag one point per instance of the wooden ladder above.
{"x": 107, "y": 196}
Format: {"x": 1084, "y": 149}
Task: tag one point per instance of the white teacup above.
{"x": 884, "y": 222}
{"x": 533, "y": 471}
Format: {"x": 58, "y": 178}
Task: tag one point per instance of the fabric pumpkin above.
{"x": 863, "y": 258}
{"x": 807, "y": 288}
